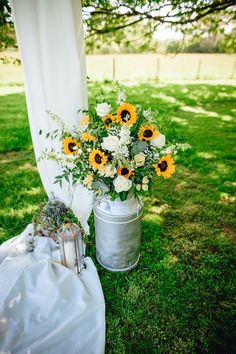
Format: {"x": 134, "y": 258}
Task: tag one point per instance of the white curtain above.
{"x": 51, "y": 44}
{"x": 45, "y": 307}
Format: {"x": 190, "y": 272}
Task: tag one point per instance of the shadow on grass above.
{"x": 179, "y": 299}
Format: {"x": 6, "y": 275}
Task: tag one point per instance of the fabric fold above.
{"x": 51, "y": 44}
{"x": 45, "y": 307}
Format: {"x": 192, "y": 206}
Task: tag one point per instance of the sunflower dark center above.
{"x": 71, "y": 147}
{"x": 108, "y": 121}
{"x": 124, "y": 171}
{"x": 163, "y": 166}
{"x": 147, "y": 133}
{"x": 125, "y": 115}
{"x": 98, "y": 158}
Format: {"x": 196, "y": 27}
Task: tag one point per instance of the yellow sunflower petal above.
{"x": 97, "y": 159}
{"x": 165, "y": 166}
{"x": 88, "y": 137}
{"x": 70, "y": 146}
{"x": 126, "y": 114}
{"x": 147, "y": 132}
{"x": 108, "y": 120}
{"x": 85, "y": 120}
{"x": 124, "y": 171}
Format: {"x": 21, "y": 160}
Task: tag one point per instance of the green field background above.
{"x": 131, "y": 67}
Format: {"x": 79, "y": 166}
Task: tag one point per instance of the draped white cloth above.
{"x": 51, "y": 44}
{"x": 45, "y": 307}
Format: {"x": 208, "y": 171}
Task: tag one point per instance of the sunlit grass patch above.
{"x": 179, "y": 299}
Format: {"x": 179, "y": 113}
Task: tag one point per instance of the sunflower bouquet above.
{"x": 114, "y": 151}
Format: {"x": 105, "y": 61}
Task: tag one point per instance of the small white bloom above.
{"x": 121, "y": 152}
{"x": 145, "y": 187}
{"x": 145, "y": 180}
{"x": 159, "y": 141}
{"x": 147, "y": 113}
{"x": 103, "y": 109}
{"x": 139, "y": 159}
{"x": 122, "y": 184}
{"x": 107, "y": 171}
{"x": 121, "y": 97}
{"x": 138, "y": 187}
{"x": 125, "y": 134}
{"x": 110, "y": 143}
{"x": 168, "y": 150}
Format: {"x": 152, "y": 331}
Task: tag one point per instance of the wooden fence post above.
{"x": 158, "y": 69}
{"x": 233, "y": 71}
{"x": 113, "y": 68}
{"x": 199, "y": 69}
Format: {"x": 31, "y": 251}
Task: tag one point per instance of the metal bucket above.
{"x": 118, "y": 233}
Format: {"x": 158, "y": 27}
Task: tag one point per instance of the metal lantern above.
{"x": 72, "y": 247}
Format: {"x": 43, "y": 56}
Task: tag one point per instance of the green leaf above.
{"x": 138, "y": 146}
{"x": 123, "y": 195}
{"x": 100, "y": 185}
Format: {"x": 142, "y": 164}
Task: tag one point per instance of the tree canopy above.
{"x": 119, "y": 20}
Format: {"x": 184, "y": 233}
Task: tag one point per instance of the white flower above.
{"x": 147, "y": 113}
{"x": 138, "y": 187}
{"x": 139, "y": 159}
{"x": 122, "y": 184}
{"x": 145, "y": 187}
{"x": 121, "y": 97}
{"x": 168, "y": 150}
{"x": 107, "y": 171}
{"x": 121, "y": 152}
{"x": 110, "y": 143}
{"x": 145, "y": 180}
{"x": 159, "y": 141}
{"x": 125, "y": 134}
{"x": 103, "y": 109}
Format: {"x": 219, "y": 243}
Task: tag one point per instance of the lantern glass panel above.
{"x": 71, "y": 247}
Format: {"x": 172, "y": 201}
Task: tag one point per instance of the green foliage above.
{"x": 128, "y": 26}
{"x": 180, "y": 298}
{"x": 7, "y": 33}
{"x": 131, "y": 24}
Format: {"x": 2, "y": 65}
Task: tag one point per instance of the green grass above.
{"x": 181, "y": 297}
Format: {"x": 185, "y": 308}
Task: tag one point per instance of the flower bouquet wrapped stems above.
{"x": 116, "y": 152}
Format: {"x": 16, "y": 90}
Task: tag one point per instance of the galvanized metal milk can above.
{"x": 118, "y": 233}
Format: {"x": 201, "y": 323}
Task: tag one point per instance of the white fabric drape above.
{"x": 51, "y": 44}
{"x": 45, "y": 307}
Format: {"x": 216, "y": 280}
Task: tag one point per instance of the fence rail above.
{"x": 161, "y": 67}
{"x": 138, "y": 67}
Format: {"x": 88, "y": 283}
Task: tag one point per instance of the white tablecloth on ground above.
{"x": 45, "y": 307}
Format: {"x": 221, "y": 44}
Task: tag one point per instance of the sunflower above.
{"x": 165, "y": 166}
{"x": 126, "y": 113}
{"x": 147, "y": 132}
{"x": 108, "y": 120}
{"x": 124, "y": 171}
{"x": 88, "y": 137}
{"x": 85, "y": 120}
{"x": 97, "y": 159}
{"x": 70, "y": 146}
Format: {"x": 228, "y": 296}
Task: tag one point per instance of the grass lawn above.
{"x": 180, "y": 298}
